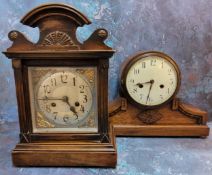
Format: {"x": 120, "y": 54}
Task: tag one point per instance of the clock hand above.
{"x": 72, "y": 108}
{"x": 138, "y": 84}
{"x": 64, "y": 99}
{"x": 50, "y": 98}
{"x": 151, "y": 81}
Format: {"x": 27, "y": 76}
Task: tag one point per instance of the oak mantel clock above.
{"x": 148, "y": 105}
{"x": 62, "y": 93}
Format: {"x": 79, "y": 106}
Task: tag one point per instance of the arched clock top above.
{"x": 57, "y": 24}
{"x": 35, "y": 16}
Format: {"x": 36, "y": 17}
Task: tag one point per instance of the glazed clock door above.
{"x": 152, "y": 81}
{"x": 63, "y": 99}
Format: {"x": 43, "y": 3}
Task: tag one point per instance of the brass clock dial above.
{"x": 150, "y": 79}
{"x": 65, "y": 98}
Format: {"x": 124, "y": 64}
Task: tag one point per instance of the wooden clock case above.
{"x": 58, "y": 46}
{"x": 172, "y": 118}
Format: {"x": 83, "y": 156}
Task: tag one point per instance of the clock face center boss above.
{"x": 150, "y": 79}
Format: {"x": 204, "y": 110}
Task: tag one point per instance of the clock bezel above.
{"x": 131, "y": 61}
{"x": 66, "y": 127}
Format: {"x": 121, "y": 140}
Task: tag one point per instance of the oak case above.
{"x": 171, "y": 118}
{"x": 58, "y": 47}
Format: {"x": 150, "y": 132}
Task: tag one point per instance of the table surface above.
{"x": 136, "y": 156}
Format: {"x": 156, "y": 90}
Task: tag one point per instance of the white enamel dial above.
{"x": 151, "y": 80}
{"x": 64, "y": 98}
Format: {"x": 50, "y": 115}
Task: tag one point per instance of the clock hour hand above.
{"x": 72, "y": 108}
{"x": 138, "y": 84}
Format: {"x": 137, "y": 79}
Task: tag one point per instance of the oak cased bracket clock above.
{"x": 148, "y": 105}
{"x": 62, "y": 92}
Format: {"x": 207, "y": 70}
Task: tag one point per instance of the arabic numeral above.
{"x": 168, "y": 90}
{"x": 74, "y": 81}
{"x": 53, "y": 82}
{"x": 47, "y": 108}
{"x": 169, "y": 71}
{"x": 47, "y": 89}
{"x": 82, "y": 108}
{"x": 143, "y": 65}
{"x": 136, "y": 71}
{"x": 150, "y": 100}
{"x": 132, "y": 80}
{"x": 66, "y": 118}
{"x": 135, "y": 90}
{"x": 85, "y": 99}
{"x": 153, "y": 62}
{"x": 64, "y": 78}
{"x": 82, "y": 87}
{"x": 162, "y": 64}
{"x": 55, "y": 115}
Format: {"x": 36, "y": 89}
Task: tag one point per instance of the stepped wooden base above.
{"x": 175, "y": 119}
{"x": 166, "y": 131}
{"x": 66, "y": 154}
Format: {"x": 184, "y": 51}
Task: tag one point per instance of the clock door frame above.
{"x": 21, "y": 77}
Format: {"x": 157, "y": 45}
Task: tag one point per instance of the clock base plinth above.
{"x": 173, "y": 120}
{"x": 65, "y": 154}
{"x": 161, "y": 130}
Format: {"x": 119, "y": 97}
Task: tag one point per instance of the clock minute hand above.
{"x": 151, "y": 81}
{"x": 50, "y": 98}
